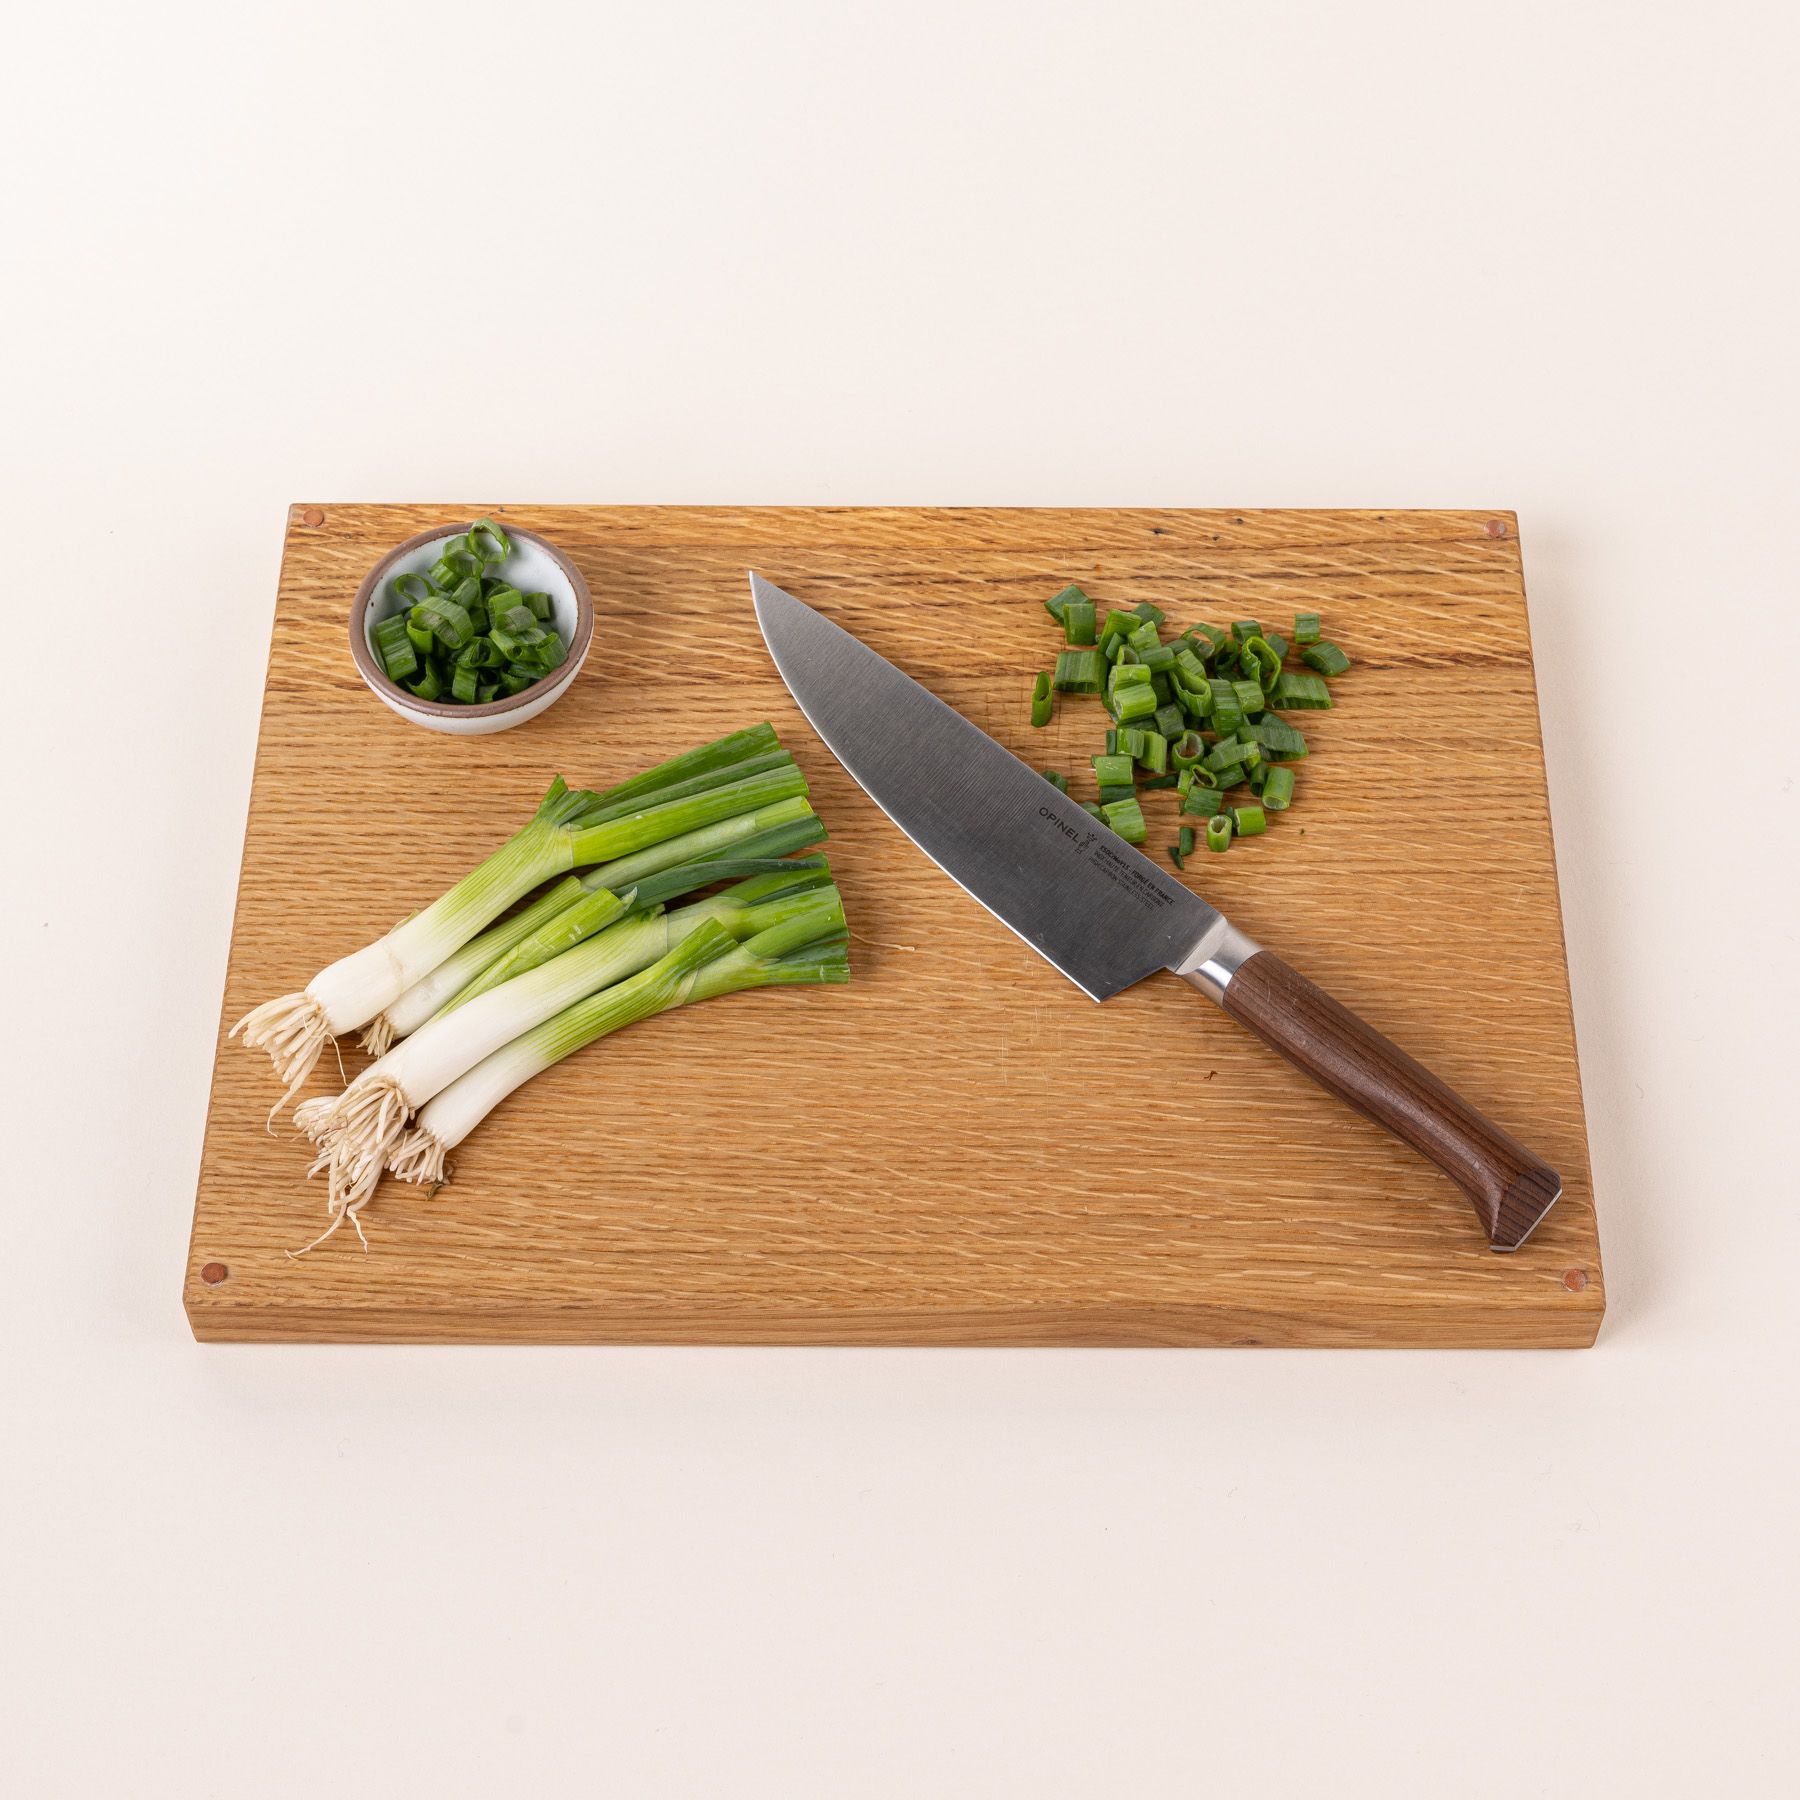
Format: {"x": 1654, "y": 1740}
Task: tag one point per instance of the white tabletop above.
{"x": 1536, "y": 257}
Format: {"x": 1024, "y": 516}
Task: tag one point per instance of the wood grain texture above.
{"x": 912, "y": 1159}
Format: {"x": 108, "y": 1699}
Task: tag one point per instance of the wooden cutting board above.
{"x": 958, "y": 1148}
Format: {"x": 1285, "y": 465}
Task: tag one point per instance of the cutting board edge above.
{"x": 1567, "y": 1321}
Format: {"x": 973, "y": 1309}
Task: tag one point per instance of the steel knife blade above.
{"x": 1105, "y": 915}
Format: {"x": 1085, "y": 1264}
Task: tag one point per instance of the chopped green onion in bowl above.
{"x": 471, "y": 631}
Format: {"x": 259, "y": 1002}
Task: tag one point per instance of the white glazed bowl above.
{"x": 535, "y": 566}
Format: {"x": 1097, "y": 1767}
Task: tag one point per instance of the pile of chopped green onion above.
{"x": 1199, "y": 713}
{"x": 464, "y": 633}
{"x": 460, "y": 1010}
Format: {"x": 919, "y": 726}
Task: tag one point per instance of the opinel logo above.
{"x": 1081, "y": 839}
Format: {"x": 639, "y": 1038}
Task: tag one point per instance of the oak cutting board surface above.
{"x": 959, "y": 1147}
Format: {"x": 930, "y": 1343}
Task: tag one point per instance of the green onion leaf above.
{"x": 1326, "y": 657}
{"x": 1078, "y": 622}
{"x": 1249, "y": 821}
{"x": 1278, "y": 788}
{"x": 1057, "y": 779}
{"x": 1042, "y": 705}
{"x": 1218, "y": 832}
{"x": 1306, "y": 628}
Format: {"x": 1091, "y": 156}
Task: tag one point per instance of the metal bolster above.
{"x": 1216, "y": 958}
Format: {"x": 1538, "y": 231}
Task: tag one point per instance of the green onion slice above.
{"x": 1278, "y": 738}
{"x": 1079, "y": 671}
{"x": 488, "y": 543}
{"x": 1326, "y": 657}
{"x": 1299, "y": 690}
{"x": 448, "y": 622}
{"x": 1126, "y": 817}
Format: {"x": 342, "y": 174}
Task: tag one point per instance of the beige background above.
{"x": 1529, "y": 256}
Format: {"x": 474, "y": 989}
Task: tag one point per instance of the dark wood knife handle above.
{"x": 1512, "y": 1189}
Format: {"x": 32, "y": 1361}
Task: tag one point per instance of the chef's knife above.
{"x": 1106, "y": 916}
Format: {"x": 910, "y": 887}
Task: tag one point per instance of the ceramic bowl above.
{"x": 535, "y": 566}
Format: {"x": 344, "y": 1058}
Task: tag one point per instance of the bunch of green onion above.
{"x": 1200, "y": 713}
{"x": 693, "y": 806}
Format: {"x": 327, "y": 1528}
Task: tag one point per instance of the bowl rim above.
{"x": 376, "y": 676}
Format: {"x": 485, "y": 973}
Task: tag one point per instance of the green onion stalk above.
{"x": 592, "y": 913}
{"x": 356, "y": 1131}
{"x": 787, "y": 826}
{"x": 563, "y": 835}
{"x": 782, "y": 956}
